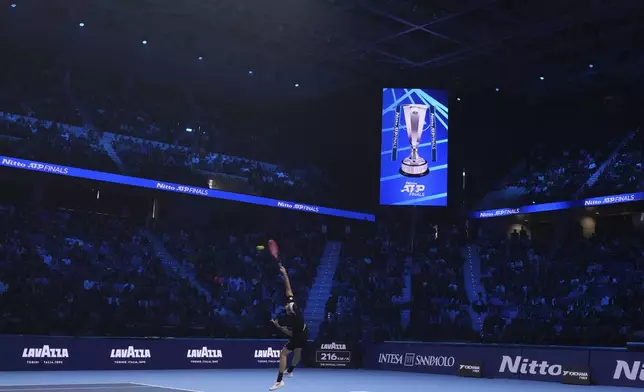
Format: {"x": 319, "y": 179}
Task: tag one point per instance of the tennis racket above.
{"x": 275, "y": 251}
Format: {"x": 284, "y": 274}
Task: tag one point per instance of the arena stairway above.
{"x": 504, "y": 193}
{"x": 595, "y": 176}
{"x": 405, "y": 314}
{"x": 106, "y": 143}
{"x": 77, "y": 104}
{"x": 561, "y": 226}
{"x": 174, "y": 267}
{"x": 321, "y": 289}
{"x": 472, "y": 281}
{"x": 106, "y": 140}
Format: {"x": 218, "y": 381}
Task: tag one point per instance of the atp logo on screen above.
{"x": 413, "y": 189}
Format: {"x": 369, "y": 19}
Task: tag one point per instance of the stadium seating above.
{"x": 70, "y": 273}
{"x": 53, "y": 143}
{"x": 589, "y": 293}
{"x": 369, "y": 300}
{"x": 610, "y": 168}
{"x": 624, "y": 174}
{"x": 146, "y": 127}
{"x": 244, "y": 281}
{"x": 90, "y": 274}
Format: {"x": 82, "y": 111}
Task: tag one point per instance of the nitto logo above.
{"x": 270, "y": 353}
{"x": 130, "y": 352}
{"x": 204, "y": 353}
{"x": 525, "y": 366}
{"x": 13, "y": 163}
{"x": 45, "y": 352}
{"x": 393, "y": 359}
{"x": 632, "y": 372}
{"x": 333, "y": 346}
{"x": 166, "y": 187}
{"x": 413, "y": 189}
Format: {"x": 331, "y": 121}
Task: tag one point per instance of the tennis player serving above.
{"x": 296, "y": 331}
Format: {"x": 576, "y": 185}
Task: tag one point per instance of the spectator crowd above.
{"x": 614, "y": 167}
{"x": 398, "y": 283}
{"x": 588, "y": 293}
{"x": 83, "y": 273}
{"x": 64, "y": 116}
{"x": 76, "y": 273}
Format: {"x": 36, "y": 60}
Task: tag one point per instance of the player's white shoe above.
{"x": 277, "y": 385}
{"x": 288, "y": 374}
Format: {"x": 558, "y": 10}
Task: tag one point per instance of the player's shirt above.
{"x": 295, "y": 321}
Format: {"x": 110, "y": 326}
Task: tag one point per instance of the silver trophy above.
{"x": 414, "y": 165}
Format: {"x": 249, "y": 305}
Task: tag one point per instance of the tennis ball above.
{"x": 260, "y": 247}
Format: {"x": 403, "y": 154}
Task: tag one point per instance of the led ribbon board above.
{"x": 178, "y": 188}
{"x": 560, "y": 205}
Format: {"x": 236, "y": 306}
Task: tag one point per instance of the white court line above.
{"x": 164, "y": 387}
{"x": 68, "y": 388}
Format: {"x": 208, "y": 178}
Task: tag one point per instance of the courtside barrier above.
{"x": 65, "y": 353}
{"x": 571, "y": 365}
{"x": 69, "y": 353}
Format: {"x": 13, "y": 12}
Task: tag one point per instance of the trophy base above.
{"x": 417, "y": 168}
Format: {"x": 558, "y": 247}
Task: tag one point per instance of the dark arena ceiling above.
{"x": 325, "y": 46}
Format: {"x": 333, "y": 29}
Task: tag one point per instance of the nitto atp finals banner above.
{"x": 413, "y": 156}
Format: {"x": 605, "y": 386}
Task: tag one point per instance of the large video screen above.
{"x": 413, "y": 154}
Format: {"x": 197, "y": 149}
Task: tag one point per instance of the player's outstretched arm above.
{"x": 287, "y": 282}
{"x": 285, "y": 330}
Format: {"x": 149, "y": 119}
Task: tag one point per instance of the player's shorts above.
{"x": 298, "y": 341}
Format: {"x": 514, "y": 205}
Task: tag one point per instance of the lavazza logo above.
{"x": 333, "y": 346}
{"x": 270, "y": 355}
{"x": 633, "y": 371}
{"x": 525, "y": 366}
{"x": 204, "y": 355}
{"x": 411, "y": 359}
{"x": 130, "y": 356}
{"x": 45, "y": 355}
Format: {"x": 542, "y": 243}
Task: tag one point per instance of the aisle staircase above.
{"x": 106, "y": 140}
{"x": 405, "y": 314}
{"x": 106, "y": 143}
{"x": 321, "y": 290}
{"x": 595, "y": 176}
{"x": 174, "y": 267}
{"x": 472, "y": 281}
{"x": 76, "y": 104}
{"x": 562, "y": 226}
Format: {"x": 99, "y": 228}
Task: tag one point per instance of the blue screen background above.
{"x": 392, "y": 183}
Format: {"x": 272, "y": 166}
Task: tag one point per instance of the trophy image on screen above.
{"x": 414, "y": 165}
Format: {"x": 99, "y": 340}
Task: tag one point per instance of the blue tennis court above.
{"x": 305, "y": 380}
